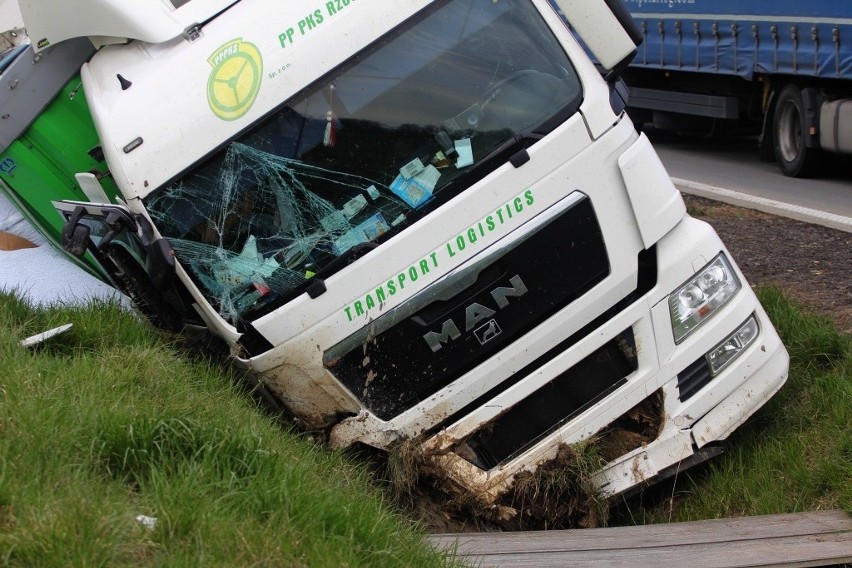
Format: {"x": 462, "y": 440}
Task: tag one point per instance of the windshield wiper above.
{"x": 515, "y": 145}
{"x": 512, "y": 150}
{"x": 316, "y": 287}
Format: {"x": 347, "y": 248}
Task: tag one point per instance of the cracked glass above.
{"x": 365, "y": 152}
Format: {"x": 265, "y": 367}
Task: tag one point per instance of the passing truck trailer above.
{"x": 421, "y": 222}
{"x": 781, "y": 68}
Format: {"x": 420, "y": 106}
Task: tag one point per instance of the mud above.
{"x": 639, "y": 426}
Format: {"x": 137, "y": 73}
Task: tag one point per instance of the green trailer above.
{"x": 47, "y": 136}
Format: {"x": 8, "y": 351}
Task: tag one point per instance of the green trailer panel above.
{"x": 39, "y": 167}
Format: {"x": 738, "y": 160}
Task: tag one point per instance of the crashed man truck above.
{"x": 415, "y": 221}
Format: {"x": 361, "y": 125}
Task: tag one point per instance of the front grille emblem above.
{"x": 487, "y": 332}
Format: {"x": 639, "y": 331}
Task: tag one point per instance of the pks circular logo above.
{"x": 235, "y": 80}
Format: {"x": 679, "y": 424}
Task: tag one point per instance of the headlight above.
{"x": 697, "y": 300}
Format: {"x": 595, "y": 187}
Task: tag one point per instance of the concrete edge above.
{"x": 797, "y": 212}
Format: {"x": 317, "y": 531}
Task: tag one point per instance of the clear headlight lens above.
{"x": 698, "y": 299}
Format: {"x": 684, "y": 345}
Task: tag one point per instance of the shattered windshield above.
{"x": 365, "y": 152}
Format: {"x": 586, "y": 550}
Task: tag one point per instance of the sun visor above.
{"x": 607, "y": 29}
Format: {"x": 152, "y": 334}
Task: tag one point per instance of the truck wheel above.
{"x": 136, "y": 284}
{"x": 794, "y": 158}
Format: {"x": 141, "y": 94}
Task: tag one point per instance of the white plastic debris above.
{"x": 37, "y": 339}
{"x": 149, "y": 523}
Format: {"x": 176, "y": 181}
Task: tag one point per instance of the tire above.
{"x": 134, "y": 282}
{"x": 789, "y": 128}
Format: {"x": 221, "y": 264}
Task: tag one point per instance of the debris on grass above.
{"x": 40, "y": 338}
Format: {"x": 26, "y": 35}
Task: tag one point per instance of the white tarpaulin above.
{"x": 42, "y": 275}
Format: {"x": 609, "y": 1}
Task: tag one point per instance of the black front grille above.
{"x": 399, "y": 367}
{"x": 692, "y": 379}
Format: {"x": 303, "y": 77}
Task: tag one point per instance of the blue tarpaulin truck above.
{"x": 783, "y": 66}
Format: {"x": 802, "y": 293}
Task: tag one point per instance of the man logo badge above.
{"x": 475, "y": 314}
{"x": 487, "y": 332}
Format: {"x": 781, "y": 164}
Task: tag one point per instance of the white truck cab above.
{"x": 423, "y": 220}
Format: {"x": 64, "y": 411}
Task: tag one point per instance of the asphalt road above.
{"x": 728, "y": 166}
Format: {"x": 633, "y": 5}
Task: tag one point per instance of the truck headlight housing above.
{"x": 702, "y": 296}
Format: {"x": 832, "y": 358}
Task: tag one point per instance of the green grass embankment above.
{"x": 110, "y": 421}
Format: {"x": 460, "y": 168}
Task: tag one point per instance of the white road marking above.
{"x": 797, "y": 212}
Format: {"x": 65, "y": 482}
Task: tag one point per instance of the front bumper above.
{"x": 683, "y": 445}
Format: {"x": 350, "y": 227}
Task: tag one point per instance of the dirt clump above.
{"x": 559, "y": 494}
{"x": 636, "y": 428}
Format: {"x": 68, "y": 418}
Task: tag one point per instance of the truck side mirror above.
{"x": 75, "y": 235}
{"x": 607, "y": 29}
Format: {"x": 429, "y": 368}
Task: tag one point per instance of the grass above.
{"x": 794, "y": 455}
{"x": 110, "y": 421}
